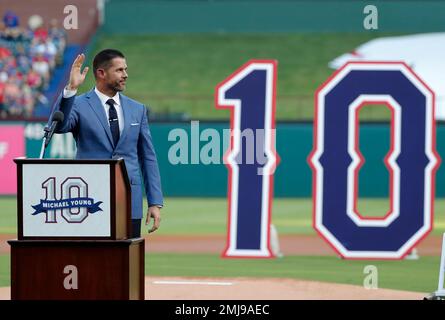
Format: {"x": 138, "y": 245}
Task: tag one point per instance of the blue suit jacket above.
{"x": 85, "y": 117}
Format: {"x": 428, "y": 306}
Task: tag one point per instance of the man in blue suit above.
{"x": 106, "y": 125}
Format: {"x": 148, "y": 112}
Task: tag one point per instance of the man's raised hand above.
{"x": 76, "y": 76}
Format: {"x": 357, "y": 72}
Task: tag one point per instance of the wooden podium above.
{"x": 74, "y": 232}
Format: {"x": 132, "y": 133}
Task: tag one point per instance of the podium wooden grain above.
{"x": 106, "y": 268}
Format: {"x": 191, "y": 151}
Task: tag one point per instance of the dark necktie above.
{"x": 114, "y": 122}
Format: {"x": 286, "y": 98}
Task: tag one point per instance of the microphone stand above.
{"x": 44, "y": 144}
{"x": 49, "y": 131}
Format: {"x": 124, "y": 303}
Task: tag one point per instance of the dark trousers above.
{"x": 136, "y": 228}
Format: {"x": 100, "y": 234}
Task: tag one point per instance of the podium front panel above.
{"x": 66, "y": 200}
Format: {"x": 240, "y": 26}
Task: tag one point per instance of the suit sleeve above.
{"x": 149, "y": 164}
{"x": 67, "y": 107}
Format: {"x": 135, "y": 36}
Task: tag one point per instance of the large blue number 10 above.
{"x": 336, "y": 159}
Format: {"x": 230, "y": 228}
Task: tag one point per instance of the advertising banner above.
{"x": 12, "y": 145}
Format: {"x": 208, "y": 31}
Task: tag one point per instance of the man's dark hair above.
{"x": 103, "y": 59}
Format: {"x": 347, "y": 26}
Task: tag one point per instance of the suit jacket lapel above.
{"x": 127, "y": 117}
{"x": 96, "y": 105}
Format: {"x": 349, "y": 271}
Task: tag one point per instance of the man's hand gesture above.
{"x": 76, "y": 76}
{"x": 155, "y": 213}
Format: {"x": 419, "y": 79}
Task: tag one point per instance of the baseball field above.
{"x": 194, "y": 229}
{"x": 188, "y": 246}
{"x": 177, "y": 73}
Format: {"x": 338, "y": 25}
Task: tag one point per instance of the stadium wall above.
{"x": 140, "y": 17}
{"x": 293, "y": 177}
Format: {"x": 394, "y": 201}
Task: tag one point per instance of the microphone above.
{"x": 57, "y": 117}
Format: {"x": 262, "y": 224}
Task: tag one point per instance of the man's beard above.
{"x": 117, "y": 87}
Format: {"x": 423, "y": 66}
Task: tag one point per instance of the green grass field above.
{"x": 184, "y": 216}
{"x": 203, "y": 216}
{"x": 178, "y": 73}
{"x": 412, "y": 275}
{"x": 4, "y": 270}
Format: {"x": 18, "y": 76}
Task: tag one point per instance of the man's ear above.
{"x": 100, "y": 73}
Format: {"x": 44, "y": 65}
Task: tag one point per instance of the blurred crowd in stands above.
{"x": 28, "y": 56}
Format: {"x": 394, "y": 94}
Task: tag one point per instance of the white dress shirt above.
{"x": 103, "y": 100}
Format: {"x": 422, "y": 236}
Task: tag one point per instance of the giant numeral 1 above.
{"x": 250, "y": 94}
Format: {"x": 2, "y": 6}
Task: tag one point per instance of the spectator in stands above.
{"x": 12, "y": 97}
{"x": 3, "y": 76}
{"x": 41, "y": 66}
{"x": 26, "y": 99}
{"x": 12, "y": 30}
{"x": 59, "y": 38}
{"x": 10, "y": 20}
{"x": 33, "y": 80}
{"x": 50, "y": 53}
{"x": 27, "y": 59}
{"x": 5, "y": 53}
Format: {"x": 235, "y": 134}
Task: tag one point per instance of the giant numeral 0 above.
{"x": 71, "y": 215}
{"x": 336, "y": 160}
{"x": 250, "y": 94}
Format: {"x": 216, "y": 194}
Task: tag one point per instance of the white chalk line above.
{"x": 205, "y": 283}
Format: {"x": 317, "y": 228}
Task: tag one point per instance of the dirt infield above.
{"x": 290, "y": 244}
{"x": 179, "y": 288}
